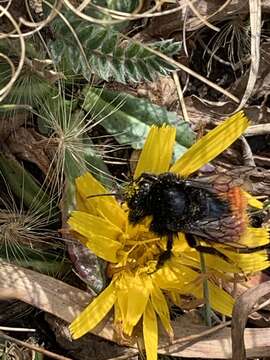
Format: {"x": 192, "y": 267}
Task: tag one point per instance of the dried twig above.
{"x": 247, "y": 153}
{"x": 6, "y": 89}
{"x": 203, "y": 20}
{"x": 9, "y": 328}
{"x": 180, "y": 96}
{"x": 33, "y": 347}
{"x": 255, "y": 28}
{"x": 261, "y": 129}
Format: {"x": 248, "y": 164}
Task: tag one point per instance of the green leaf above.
{"x": 118, "y": 71}
{"x": 109, "y": 43}
{"x": 96, "y": 38}
{"x": 109, "y": 57}
{"x": 85, "y": 32}
{"x": 144, "y": 70}
{"x": 104, "y": 68}
{"x": 127, "y": 6}
{"x": 129, "y": 118}
{"x": 41, "y": 260}
{"x": 25, "y": 187}
{"x": 132, "y": 70}
{"x": 58, "y": 50}
{"x": 132, "y": 50}
{"x": 123, "y": 5}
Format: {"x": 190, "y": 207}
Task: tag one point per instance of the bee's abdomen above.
{"x": 238, "y": 205}
{"x": 229, "y": 224}
{"x": 237, "y": 200}
{"x": 210, "y": 206}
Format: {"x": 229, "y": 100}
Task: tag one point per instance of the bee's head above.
{"x": 138, "y": 195}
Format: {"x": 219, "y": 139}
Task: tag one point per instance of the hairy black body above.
{"x": 175, "y": 204}
{"x": 178, "y": 205}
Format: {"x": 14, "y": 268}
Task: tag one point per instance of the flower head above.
{"x": 139, "y": 287}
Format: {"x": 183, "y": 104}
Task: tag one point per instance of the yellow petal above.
{"x": 117, "y": 312}
{"x": 219, "y": 299}
{"x": 150, "y": 332}
{"x": 94, "y": 313}
{"x": 104, "y": 206}
{"x": 81, "y": 203}
{"x": 180, "y": 244}
{"x": 88, "y": 224}
{"x": 165, "y": 277}
{"x": 188, "y": 281}
{"x": 249, "y": 263}
{"x": 214, "y": 262}
{"x": 254, "y": 237}
{"x": 211, "y": 145}
{"x": 174, "y": 275}
{"x": 161, "y": 307}
{"x": 122, "y": 288}
{"x": 252, "y": 201}
{"x": 138, "y": 296}
{"x": 191, "y": 259}
{"x": 99, "y": 233}
{"x": 157, "y": 151}
{"x": 236, "y": 263}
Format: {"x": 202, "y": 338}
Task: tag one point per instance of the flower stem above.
{"x": 207, "y": 307}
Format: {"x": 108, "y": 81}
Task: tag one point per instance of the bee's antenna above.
{"x": 107, "y": 194}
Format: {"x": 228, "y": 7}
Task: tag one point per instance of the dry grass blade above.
{"x": 255, "y": 29}
{"x": 180, "y": 96}
{"x": 260, "y": 129}
{"x": 203, "y": 20}
{"x": 40, "y": 25}
{"x": 8, "y": 328}
{"x": 7, "y": 88}
{"x": 90, "y": 18}
{"x": 123, "y": 16}
{"x": 41, "y": 291}
{"x": 242, "y": 308}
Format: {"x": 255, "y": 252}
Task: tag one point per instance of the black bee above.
{"x": 213, "y": 210}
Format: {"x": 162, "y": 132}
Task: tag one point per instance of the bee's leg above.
{"x": 248, "y": 250}
{"x": 213, "y": 251}
{"x": 192, "y": 242}
{"x": 167, "y": 253}
{"x": 169, "y": 242}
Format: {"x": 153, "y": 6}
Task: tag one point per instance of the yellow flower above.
{"x": 137, "y": 288}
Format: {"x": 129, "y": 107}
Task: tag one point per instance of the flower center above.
{"x": 140, "y": 253}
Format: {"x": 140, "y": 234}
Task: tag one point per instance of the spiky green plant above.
{"x": 72, "y": 150}
{"x": 27, "y": 237}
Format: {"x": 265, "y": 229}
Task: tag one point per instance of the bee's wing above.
{"x": 221, "y": 182}
{"x": 226, "y": 230}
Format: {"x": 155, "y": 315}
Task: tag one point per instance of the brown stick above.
{"x": 33, "y": 347}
